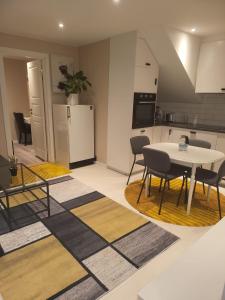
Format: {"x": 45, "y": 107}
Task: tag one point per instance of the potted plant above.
{"x": 13, "y": 165}
{"x": 73, "y": 85}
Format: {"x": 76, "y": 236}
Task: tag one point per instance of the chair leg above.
{"x": 160, "y": 186}
{"x": 218, "y": 198}
{"x": 25, "y": 142}
{"x": 20, "y": 138}
{"x": 203, "y": 187}
{"x": 162, "y": 197}
{"x": 168, "y": 183}
{"x": 143, "y": 176}
{"x": 194, "y": 188}
{"x": 142, "y": 187}
{"x": 186, "y": 190}
{"x": 150, "y": 185}
{"x": 181, "y": 190}
{"x": 131, "y": 170}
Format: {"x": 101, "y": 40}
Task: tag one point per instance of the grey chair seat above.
{"x": 206, "y": 176}
{"x": 174, "y": 172}
{"x": 140, "y": 162}
{"x": 158, "y": 164}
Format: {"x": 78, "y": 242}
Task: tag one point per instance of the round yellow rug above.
{"x": 202, "y": 212}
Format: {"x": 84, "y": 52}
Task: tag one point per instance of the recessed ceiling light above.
{"x": 61, "y": 25}
{"x": 193, "y": 29}
{"x": 116, "y": 1}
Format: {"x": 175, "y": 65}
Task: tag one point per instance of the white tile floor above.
{"x": 112, "y": 184}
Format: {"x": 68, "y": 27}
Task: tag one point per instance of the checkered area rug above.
{"x": 89, "y": 245}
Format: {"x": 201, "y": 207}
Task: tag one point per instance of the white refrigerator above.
{"x": 74, "y": 134}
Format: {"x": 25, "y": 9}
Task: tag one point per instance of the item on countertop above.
{"x": 183, "y": 144}
{"x": 158, "y": 114}
{"x": 170, "y": 117}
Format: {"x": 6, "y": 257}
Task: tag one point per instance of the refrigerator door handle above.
{"x": 68, "y": 113}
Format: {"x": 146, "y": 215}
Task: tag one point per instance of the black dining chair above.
{"x": 196, "y": 143}
{"x": 211, "y": 178}
{"x": 23, "y": 128}
{"x": 201, "y": 144}
{"x": 137, "y": 143}
{"x": 158, "y": 164}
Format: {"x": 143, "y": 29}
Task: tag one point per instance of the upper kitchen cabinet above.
{"x": 146, "y": 69}
{"x": 211, "y": 68}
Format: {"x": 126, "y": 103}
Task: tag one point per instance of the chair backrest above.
{"x": 157, "y": 160}
{"x": 199, "y": 143}
{"x": 221, "y": 171}
{"x": 20, "y": 121}
{"x": 138, "y": 142}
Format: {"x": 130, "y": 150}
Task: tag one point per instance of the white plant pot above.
{"x": 73, "y": 99}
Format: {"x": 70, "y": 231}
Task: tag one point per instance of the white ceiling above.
{"x": 87, "y": 21}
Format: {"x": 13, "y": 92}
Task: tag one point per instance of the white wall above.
{"x": 3, "y": 145}
{"x": 187, "y": 47}
{"x": 94, "y": 61}
{"x": 120, "y": 103}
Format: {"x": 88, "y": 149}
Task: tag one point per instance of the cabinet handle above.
{"x": 223, "y": 89}
{"x": 170, "y": 131}
{"x": 143, "y": 130}
{"x": 147, "y": 64}
{"x": 193, "y": 132}
{"x": 156, "y": 80}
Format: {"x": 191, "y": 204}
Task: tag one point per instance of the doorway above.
{"x": 19, "y": 110}
{"x": 26, "y": 97}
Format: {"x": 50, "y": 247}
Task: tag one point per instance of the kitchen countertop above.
{"x": 212, "y": 128}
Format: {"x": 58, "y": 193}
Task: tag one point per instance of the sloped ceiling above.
{"x": 174, "y": 83}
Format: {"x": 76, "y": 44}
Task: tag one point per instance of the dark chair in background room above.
{"x": 137, "y": 143}
{"x": 23, "y": 128}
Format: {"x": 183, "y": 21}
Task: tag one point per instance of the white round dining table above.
{"x": 193, "y": 157}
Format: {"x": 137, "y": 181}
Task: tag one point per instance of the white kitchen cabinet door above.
{"x": 176, "y": 133}
{"x": 211, "y": 68}
{"x": 156, "y": 137}
{"x": 165, "y": 134}
{"x": 143, "y": 53}
{"x": 146, "y": 79}
{"x": 207, "y": 136}
{"x": 146, "y": 70}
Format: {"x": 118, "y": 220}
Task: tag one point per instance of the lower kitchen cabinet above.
{"x": 175, "y": 134}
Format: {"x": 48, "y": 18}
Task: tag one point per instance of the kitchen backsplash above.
{"x": 209, "y": 110}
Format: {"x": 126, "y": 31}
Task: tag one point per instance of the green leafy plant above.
{"x": 75, "y": 83}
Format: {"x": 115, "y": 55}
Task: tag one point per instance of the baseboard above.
{"x": 125, "y": 173}
{"x": 82, "y": 163}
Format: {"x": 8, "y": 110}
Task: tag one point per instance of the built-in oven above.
{"x": 144, "y": 110}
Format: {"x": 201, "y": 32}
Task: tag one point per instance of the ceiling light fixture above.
{"x": 193, "y": 29}
{"x": 61, "y": 25}
{"x": 116, "y": 1}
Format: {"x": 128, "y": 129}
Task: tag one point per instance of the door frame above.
{"x": 44, "y": 57}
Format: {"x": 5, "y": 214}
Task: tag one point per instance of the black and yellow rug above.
{"x": 89, "y": 244}
{"x": 202, "y": 212}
